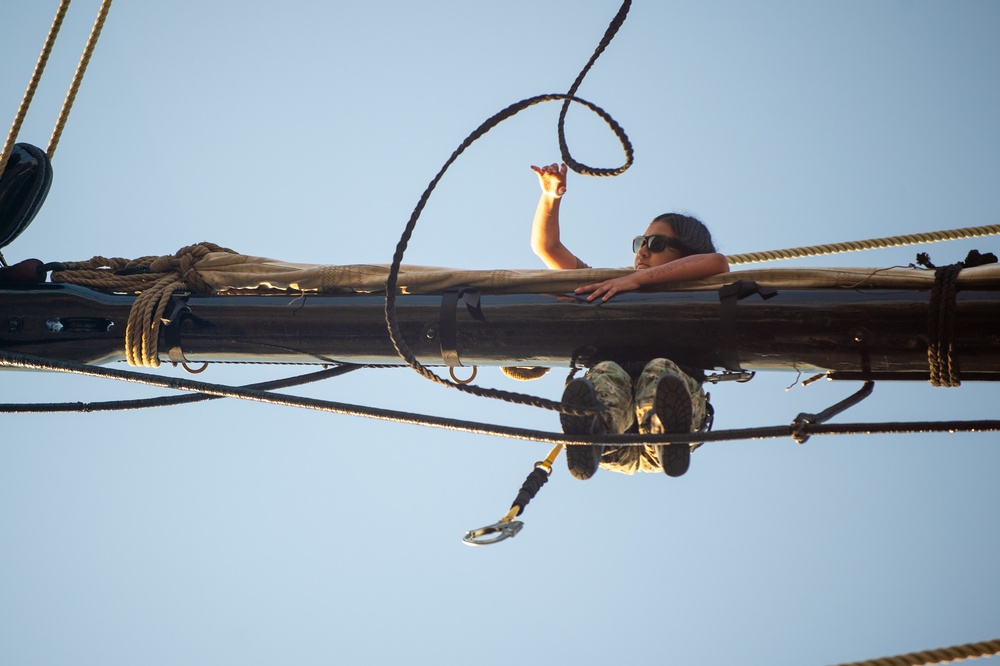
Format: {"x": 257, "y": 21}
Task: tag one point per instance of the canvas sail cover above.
{"x": 230, "y": 272}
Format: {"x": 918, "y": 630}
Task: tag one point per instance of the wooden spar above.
{"x": 864, "y": 333}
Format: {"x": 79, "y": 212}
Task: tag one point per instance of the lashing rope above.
{"x": 941, "y": 359}
{"x": 944, "y": 370}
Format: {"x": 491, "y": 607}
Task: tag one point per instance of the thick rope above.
{"x": 870, "y": 244}
{"x": 578, "y": 167}
{"x": 392, "y": 323}
{"x": 36, "y": 76}
{"x": 81, "y": 69}
{"x": 153, "y": 280}
{"x": 939, "y": 656}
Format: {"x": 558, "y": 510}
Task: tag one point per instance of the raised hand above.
{"x": 552, "y": 179}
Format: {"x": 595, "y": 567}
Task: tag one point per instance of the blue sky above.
{"x": 233, "y": 532}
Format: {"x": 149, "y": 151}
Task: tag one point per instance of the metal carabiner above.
{"x": 503, "y": 530}
{"x": 740, "y": 377}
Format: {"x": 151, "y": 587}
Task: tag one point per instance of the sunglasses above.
{"x": 656, "y": 243}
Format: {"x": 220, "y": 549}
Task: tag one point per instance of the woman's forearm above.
{"x": 545, "y": 241}
{"x": 693, "y": 267}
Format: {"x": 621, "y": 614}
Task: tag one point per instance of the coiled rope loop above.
{"x": 391, "y": 285}
{"x": 576, "y": 166}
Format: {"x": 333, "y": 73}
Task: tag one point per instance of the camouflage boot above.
{"x": 583, "y": 459}
{"x": 669, "y": 401}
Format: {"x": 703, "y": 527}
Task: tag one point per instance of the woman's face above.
{"x": 646, "y": 259}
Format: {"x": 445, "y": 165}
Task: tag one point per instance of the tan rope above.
{"x": 36, "y": 76}
{"x": 81, "y": 69}
{"x": 870, "y": 244}
{"x": 524, "y": 373}
{"x": 153, "y": 280}
{"x": 940, "y": 656}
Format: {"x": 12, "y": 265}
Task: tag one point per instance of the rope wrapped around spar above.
{"x": 153, "y": 281}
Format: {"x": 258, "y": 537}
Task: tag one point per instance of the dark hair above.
{"x": 694, "y": 237}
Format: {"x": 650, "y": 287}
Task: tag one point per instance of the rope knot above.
{"x": 182, "y": 265}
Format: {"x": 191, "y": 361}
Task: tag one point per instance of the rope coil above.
{"x": 392, "y": 323}
{"x": 153, "y": 280}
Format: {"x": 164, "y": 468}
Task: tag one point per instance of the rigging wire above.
{"x": 797, "y": 430}
{"x": 170, "y": 400}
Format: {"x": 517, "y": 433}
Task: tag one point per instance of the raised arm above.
{"x": 545, "y": 240}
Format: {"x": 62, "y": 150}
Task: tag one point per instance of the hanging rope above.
{"x": 36, "y": 76}
{"x": 392, "y": 323}
{"x": 939, "y": 656}
{"x": 153, "y": 280}
{"x": 870, "y": 244}
{"x": 579, "y": 167}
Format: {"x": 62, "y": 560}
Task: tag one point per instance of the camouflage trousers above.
{"x": 627, "y": 404}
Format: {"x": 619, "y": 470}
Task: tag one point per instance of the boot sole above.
{"x": 583, "y": 459}
{"x": 672, "y": 405}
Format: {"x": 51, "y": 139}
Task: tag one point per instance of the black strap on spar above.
{"x": 448, "y": 333}
{"x": 729, "y": 296}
